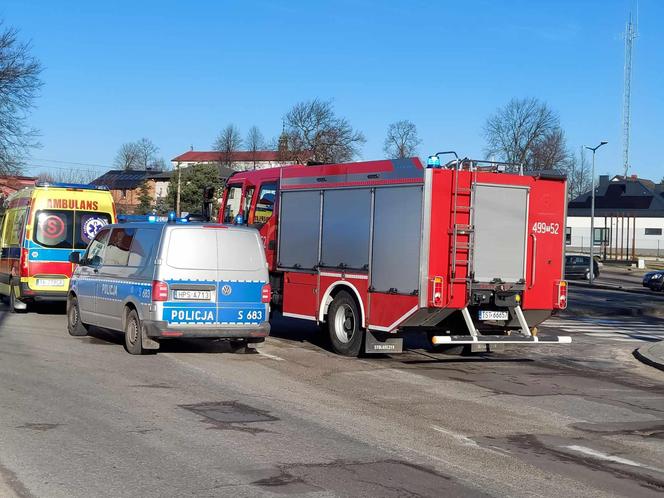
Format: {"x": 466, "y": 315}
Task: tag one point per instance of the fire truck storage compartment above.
{"x": 346, "y": 228}
{"x": 500, "y": 220}
{"x": 299, "y": 229}
{"x": 345, "y": 239}
{"x": 397, "y": 232}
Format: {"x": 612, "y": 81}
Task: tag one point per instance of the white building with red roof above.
{"x": 239, "y": 160}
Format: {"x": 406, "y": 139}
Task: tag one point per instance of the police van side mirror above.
{"x": 75, "y": 257}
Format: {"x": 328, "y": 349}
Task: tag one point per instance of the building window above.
{"x": 568, "y": 236}
{"x": 601, "y": 236}
{"x": 124, "y": 193}
{"x": 653, "y": 231}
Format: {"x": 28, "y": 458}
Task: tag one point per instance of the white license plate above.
{"x": 494, "y": 315}
{"x": 192, "y": 295}
{"x": 50, "y": 282}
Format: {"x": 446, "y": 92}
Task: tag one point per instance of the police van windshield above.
{"x": 60, "y": 229}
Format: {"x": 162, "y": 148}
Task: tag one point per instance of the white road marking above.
{"x": 465, "y": 441}
{"x": 271, "y": 356}
{"x": 626, "y": 329}
{"x": 609, "y": 458}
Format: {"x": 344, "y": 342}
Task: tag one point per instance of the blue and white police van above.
{"x": 155, "y": 281}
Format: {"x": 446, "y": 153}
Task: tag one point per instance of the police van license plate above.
{"x": 192, "y": 295}
{"x": 494, "y": 315}
{"x": 50, "y": 282}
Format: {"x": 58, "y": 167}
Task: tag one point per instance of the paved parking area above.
{"x": 81, "y": 417}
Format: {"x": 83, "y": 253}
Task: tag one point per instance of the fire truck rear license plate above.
{"x": 494, "y": 315}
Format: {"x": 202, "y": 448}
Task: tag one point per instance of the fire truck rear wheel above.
{"x": 344, "y": 325}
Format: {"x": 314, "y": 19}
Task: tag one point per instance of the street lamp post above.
{"x": 591, "y": 268}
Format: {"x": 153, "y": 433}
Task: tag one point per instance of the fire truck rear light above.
{"x": 437, "y": 292}
{"x": 159, "y": 290}
{"x": 266, "y": 293}
{"x": 561, "y": 302}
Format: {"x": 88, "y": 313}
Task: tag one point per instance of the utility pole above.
{"x": 629, "y": 35}
{"x": 177, "y": 199}
{"x": 591, "y": 266}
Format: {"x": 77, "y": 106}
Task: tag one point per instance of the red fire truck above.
{"x": 466, "y": 253}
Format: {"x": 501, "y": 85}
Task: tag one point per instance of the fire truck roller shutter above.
{"x": 298, "y": 229}
{"x": 500, "y": 221}
{"x": 346, "y": 228}
{"x": 396, "y": 242}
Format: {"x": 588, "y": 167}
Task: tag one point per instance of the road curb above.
{"x": 651, "y": 354}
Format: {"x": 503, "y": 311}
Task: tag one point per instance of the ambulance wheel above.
{"x": 344, "y": 325}
{"x": 74, "y": 324}
{"x": 133, "y": 336}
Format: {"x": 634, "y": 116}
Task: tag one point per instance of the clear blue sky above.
{"x": 178, "y": 72}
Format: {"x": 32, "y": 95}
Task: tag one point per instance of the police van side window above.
{"x": 143, "y": 246}
{"x": 117, "y": 251}
{"x": 95, "y": 253}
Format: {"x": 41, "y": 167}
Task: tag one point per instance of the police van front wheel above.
{"x": 74, "y": 324}
{"x": 344, "y": 325}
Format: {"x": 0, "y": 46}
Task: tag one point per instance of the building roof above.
{"x": 628, "y": 196}
{"x": 195, "y": 156}
{"x": 117, "y": 179}
{"x": 11, "y": 183}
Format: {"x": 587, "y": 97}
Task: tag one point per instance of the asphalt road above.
{"x": 81, "y": 417}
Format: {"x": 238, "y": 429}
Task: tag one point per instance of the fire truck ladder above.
{"x": 463, "y": 234}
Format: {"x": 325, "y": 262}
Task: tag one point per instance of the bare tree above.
{"x": 19, "y": 84}
{"x": 401, "y": 140}
{"x": 550, "y": 152}
{"x": 254, "y": 142}
{"x": 515, "y": 132}
{"x": 72, "y": 175}
{"x": 313, "y": 132}
{"x": 127, "y": 156}
{"x": 228, "y": 141}
{"x": 578, "y": 172}
{"x": 139, "y": 155}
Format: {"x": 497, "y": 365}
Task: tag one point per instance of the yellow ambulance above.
{"x": 41, "y": 227}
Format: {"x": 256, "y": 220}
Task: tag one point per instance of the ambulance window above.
{"x": 232, "y": 207}
{"x": 96, "y": 248}
{"x": 17, "y": 227}
{"x": 87, "y": 224}
{"x": 7, "y": 227}
{"x": 117, "y": 251}
{"x": 143, "y": 245}
{"x": 53, "y": 228}
{"x": 265, "y": 204}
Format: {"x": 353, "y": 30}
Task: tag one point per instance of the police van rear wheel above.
{"x": 133, "y": 336}
{"x": 74, "y": 324}
{"x": 344, "y": 325}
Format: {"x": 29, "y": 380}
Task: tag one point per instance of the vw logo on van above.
{"x": 226, "y": 290}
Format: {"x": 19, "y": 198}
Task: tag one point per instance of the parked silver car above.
{"x": 155, "y": 281}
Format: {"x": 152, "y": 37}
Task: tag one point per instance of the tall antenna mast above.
{"x": 629, "y": 35}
